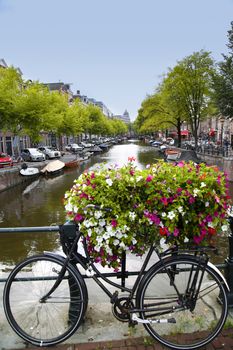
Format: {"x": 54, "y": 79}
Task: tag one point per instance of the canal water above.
{"x": 40, "y": 203}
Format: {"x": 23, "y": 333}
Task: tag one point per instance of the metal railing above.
{"x": 123, "y": 274}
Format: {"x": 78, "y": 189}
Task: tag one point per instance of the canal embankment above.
{"x": 10, "y": 176}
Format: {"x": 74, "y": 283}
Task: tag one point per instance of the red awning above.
{"x": 184, "y": 132}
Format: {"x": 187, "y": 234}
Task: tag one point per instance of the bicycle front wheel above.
{"x": 40, "y": 320}
{"x": 183, "y": 301}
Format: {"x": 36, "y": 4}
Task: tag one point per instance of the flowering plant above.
{"x": 181, "y": 202}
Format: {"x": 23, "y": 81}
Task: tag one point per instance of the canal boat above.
{"x": 72, "y": 163}
{"x": 53, "y": 168}
{"x": 171, "y": 154}
{"x": 30, "y": 172}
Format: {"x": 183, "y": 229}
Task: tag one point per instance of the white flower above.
{"x": 203, "y": 184}
{"x": 224, "y": 228}
{"x": 139, "y": 178}
{"x": 122, "y": 245}
{"x": 186, "y": 240}
{"x": 75, "y": 209}
{"x": 119, "y": 234}
{"x": 102, "y": 222}
{"x": 116, "y": 242}
{"x": 180, "y": 209}
{"x": 97, "y": 248}
{"x": 230, "y": 211}
{"x": 109, "y": 182}
{"x": 163, "y": 244}
{"x": 207, "y": 204}
{"x": 99, "y": 239}
{"x": 195, "y": 192}
{"x": 210, "y": 224}
{"x": 171, "y": 215}
{"x": 98, "y": 214}
{"x": 134, "y": 241}
{"x": 68, "y": 207}
{"x": 89, "y": 232}
{"x": 106, "y": 235}
{"x": 164, "y": 214}
{"x": 108, "y": 250}
{"x": 87, "y": 223}
{"x": 132, "y": 215}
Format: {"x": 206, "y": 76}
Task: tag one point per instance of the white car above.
{"x": 32, "y": 155}
{"x": 50, "y": 152}
{"x": 73, "y": 147}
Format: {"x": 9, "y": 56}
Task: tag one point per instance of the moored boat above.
{"x": 72, "y": 164}
{"x": 171, "y": 154}
{"x": 29, "y": 171}
{"x": 53, "y": 168}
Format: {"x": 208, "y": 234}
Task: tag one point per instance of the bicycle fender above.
{"x": 210, "y": 264}
{"x": 55, "y": 255}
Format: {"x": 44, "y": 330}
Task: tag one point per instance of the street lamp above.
{"x": 221, "y": 119}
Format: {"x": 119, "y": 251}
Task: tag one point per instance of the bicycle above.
{"x": 181, "y": 299}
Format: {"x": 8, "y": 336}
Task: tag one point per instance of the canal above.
{"x": 40, "y": 203}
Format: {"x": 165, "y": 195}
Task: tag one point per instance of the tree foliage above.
{"x": 29, "y": 108}
{"x": 223, "y": 80}
{"x": 185, "y": 94}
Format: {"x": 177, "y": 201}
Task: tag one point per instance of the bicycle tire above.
{"x": 192, "y": 329}
{"x": 50, "y": 322}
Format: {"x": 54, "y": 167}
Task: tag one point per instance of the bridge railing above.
{"x": 123, "y": 274}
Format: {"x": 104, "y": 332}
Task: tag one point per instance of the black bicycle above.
{"x": 181, "y": 300}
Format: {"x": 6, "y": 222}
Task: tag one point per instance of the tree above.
{"x": 11, "y": 84}
{"x": 189, "y": 91}
{"x": 223, "y": 80}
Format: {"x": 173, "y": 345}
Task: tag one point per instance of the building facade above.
{"x": 124, "y": 117}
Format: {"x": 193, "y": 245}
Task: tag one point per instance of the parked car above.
{"x": 73, "y": 147}
{"x": 156, "y": 143}
{"x": 32, "y": 155}
{"x": 5, "y": 160}
{"x": 50, "y": 152}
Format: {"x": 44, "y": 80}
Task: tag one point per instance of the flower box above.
{"x": 182, "y": 202}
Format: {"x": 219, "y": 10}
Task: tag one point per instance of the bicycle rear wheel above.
{"x": 50, "y": 321}
{"x": 164, "y": 297}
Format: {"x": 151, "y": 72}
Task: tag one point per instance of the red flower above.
{"x": 131, "y": 159}
{"x": 163, "y": 231}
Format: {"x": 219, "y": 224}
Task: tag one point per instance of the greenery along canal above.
{"x": 42, "y": 205}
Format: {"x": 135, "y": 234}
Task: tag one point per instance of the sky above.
{"x": 113, "y": 51}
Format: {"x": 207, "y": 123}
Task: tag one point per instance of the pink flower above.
{"x": 132, "y": 172}
{"x": 114, "y": 223}
{"x": 83, "y": 195}
{"x": 164, "y": 200}
{"x": 78, "y": 217}
{"x": 197, "y": 239}
{"x": 149, "y": 178}
{"x": 176, "y": 232}
{"x": 180, "y": 164}
{"x": 191, "y": 200}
